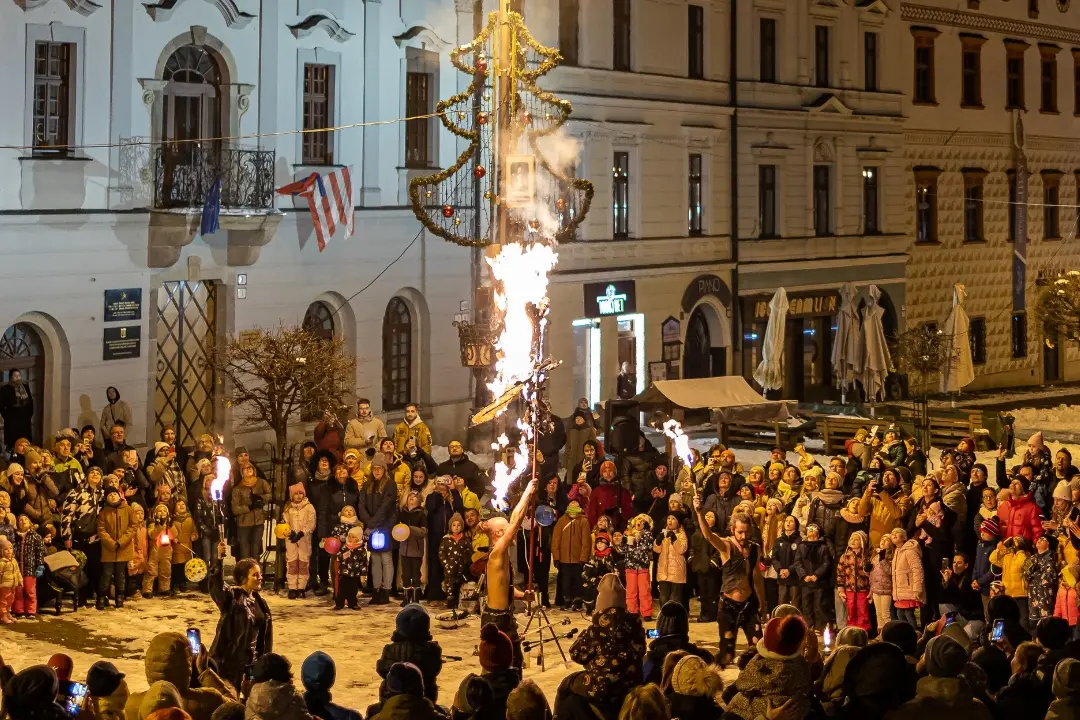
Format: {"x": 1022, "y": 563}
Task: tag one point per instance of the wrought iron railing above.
{"x": 184, "y": 174}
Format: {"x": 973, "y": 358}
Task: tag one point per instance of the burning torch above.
{"x": 223, "y": 470}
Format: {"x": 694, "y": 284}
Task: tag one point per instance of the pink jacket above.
{"x": 671, "y": 566}
{"x": 908, "y": 582}
{"x": 1065, "y": 606}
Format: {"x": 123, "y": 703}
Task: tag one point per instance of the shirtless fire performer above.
{"x": 500, "y": 588}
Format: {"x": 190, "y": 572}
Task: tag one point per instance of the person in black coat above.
{"x": 550, "y": 443}
{"x": 412, "y": 642}
{"x": 318, "y": 674}
{"x": 784, "y": 553}
{"x": 459, "y": 465}
{"x": 319, "y": 487}
{"x": 441, "y": 506}
{"x": 377, "y": 510}
{"x": 245, "y": 629}
{"x": 652, "y": 498}
{"x": 673, "y": 627}
{"x": 813, "y": 565}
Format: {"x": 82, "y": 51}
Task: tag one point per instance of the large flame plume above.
{"x": 221, "y": 477}
{"x": 673, "y": 430}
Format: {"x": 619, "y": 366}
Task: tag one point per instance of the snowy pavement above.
{"x": 353, "y": 638}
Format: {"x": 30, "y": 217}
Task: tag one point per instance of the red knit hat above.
{"x": 496, "y": 650}
{"x": 783, "y": 637}
{"x": 607, "y": 463}
{"x": 991, "y": 526}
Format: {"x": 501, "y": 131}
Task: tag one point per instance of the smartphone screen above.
{"x": 194, "y": 640}
{"x": 76, "y": 694}
{"x": 950, "y": 618}
{"x": 653, "y": 633}
{"x": 998, "y": 633}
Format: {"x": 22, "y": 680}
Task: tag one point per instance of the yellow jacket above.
{"x": 10, "y": 576}
{"x": 1012, "y": 571}
{"x": 418, "y": 430}
{"x": 469, "y": 499}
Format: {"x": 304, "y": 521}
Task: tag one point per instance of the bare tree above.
{"x": 275, "y": 375}
{"x": 923, "y": 352}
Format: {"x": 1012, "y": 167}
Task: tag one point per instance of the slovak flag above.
{"x": 330, "y": 201}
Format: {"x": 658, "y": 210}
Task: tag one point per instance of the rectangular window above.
{"x": 1051, "y": 211}
{"x": 568, "y": 31}
{"x": 318, "y": 113}
{"x": 926, "y": 206}
{"x": 767, "y": 59}
{"x": 822, "y": 200}
{"x": 767, "y": 201}
{"x": 1011, "y": 230}
{"x": 971, "y": 71}
{"x": 870, "y": 61}
{"x": 1019, "y": 335}
{"x": 620, "y": 192}
{"x": 923, "y": 89}
{"x": 695, "y": 41}
{"x": 418, "y": 132}
{"x": 821, "y": 55}
{"x": 695, "y": 194}
{"x": 621, "y": 40}
{"x": 977, "y": 340}
{"x": 1014, "y": 74}
{"x": 1048, "y": 79}
{"x": 871, "y": 201}
{"x": 973, "y": 205}
{"x": 54, "y": 97}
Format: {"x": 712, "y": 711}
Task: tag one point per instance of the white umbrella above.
{"x": 960, "y": 371}
{"x": 847, "y": 349}
{"x": 770, "y": 372}
{"x": 876, "y": 363}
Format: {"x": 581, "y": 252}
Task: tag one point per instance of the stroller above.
{"x": 64, "y": 579}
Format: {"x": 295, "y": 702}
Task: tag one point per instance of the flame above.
{"x": 673, "y": 430}
{"x": 224, "y": 469}
{"x": 164, "y": 538}
{"x": 827, "y": 636}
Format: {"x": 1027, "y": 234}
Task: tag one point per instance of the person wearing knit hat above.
{"x": 610, "y": 498}
{"x": 610, "y": 593}
{"x": 102, "y": 679}
{"x": 778, "y": 673}
{"x": 878, "y": 679}
{"x": 473, "y": 697}
{"x": 673, "y": 634}
{"x": 1066, "y": 688}
{"x": 943, "y": 657}
{"x": 943, "y": 692}
{"x": 600, "y": 565}
{"x": 412, "y": 642}
{"x": 527, "y": 702}
{"x": 694, "y": 685}
{"x": 318, "y": 674}
{"x": 1019, "y": 514}
{"x": 901, "y": 634}
{"x": 496, "y": 651}
{"x": 403, "y": 696}
{"x": 299, "y": 515}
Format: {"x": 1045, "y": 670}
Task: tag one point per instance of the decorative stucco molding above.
{"x": 323, "y": 20}
{"x": 829, "y": 103}
{"x": 422, "y": 36}
{"x": 83, "y": 7}
{"x": 988, "y": 23}
{"x": 234, "y": 16}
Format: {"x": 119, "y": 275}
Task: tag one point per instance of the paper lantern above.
{"x": 545, "y": 516}
{"x": 195, "y": 570}
{"x": 377, "y": 541}
{"x": 400, "y": 532}
{"x": 332, "y": 546}
{"x": 281, "y": 531}
{"x": 163, "y": 539}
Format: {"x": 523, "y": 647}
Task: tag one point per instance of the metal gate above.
{"x": 186, "y": 333}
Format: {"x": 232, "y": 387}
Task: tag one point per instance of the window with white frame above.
{"x": 53, "y": 96}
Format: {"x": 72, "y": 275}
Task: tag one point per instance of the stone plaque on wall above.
{"x": 121, "y": 343}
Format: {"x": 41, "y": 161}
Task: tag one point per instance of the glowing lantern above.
{"x": 377, "y": 541}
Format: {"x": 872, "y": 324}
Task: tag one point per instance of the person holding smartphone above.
{"x": 245, "y": 629}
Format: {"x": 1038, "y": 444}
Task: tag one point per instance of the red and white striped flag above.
{"x": 330, "y": 200}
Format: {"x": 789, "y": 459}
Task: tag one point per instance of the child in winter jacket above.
{"x": 10, "y": 580}
{"x": 785, "y": 550}
{"x": 184, "y": 533}
{"x": 411, "y": 551}
{"x": 852, "y": 577}
{"x": 603, "y": 562}
{"x": 348, "y": 569}
{"x": 159, "y": 549}
{"x": 137, "y": 564}
{"x": 571, "y": 547}
{"x": 881, "y": 579}
{"x": 1042, "y": 579}
{"x": 1066, "y": 606}
{"x": 812, "y": 565}
{"x": 30, "y": 553}
{"x": 778, "y": 674}
{"x": 455, "y": 551}
{"x": 637, "y": 558}
{"x": 671, "y": 545}
{"x": 299, "y": 515}
{"x": 1011, "y": 556}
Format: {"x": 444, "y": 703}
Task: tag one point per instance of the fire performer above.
{"x": 499, "y": 576}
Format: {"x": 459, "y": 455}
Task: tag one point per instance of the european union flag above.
{"x": 211, "y": 211}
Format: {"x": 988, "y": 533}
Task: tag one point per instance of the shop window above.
{"x": 822, "y": 200}
{"x": 767, "y": 49}
{"x": 971, "y": 71}
{"x": 923, "y": 91}
{"x": 870, "y": 61}
{"x": 977, "y": 340}
{"x": 822, "y": 56}
{"x": 694, "y": 212}
{"x": 973, "y": 204}
{"x": 1051, "y": 204}
{"x": 926, "y": 187}
{"x": 695, "y": 45}
{"x": 767, "y": 201}
{"x": 1014, "y": 74}
{"x": 620, "y": 190}
{"x": 1019, "y": 335}
{"x": 1048, "y": 78}
{"x": 871, "y": 201}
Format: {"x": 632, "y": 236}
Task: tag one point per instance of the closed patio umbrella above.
{"x": 770, "y": 371}
{"x": 960, "y": 371}
{"x": 876, "y": 363}
{"x": 846, "y": 350}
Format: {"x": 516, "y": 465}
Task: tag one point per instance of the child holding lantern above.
{"x": 299, "y": 515}
{"x": 159, "y": 552}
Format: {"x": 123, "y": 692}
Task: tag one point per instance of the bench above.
{"x": 945, "y": 430}
{"x": 838, "y": 429}
{"x": 764, "y": 434}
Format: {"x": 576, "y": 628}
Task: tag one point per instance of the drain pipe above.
{"x": 733, "y": 156}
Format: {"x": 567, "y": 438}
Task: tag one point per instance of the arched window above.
{"x": 397, "y": 355}
{"x": 319, "y": 320}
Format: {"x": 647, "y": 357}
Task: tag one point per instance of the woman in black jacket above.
{"x": 319, "y": 488}
{"x": 705, "y": 564}
{"x": 377, "y": 510}
{"x": 441, "y": 506}
{"x": 245, "y": 629}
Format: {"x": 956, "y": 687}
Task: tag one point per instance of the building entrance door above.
{"x": 21, "y": 349}
{"x": 186, "y": 335}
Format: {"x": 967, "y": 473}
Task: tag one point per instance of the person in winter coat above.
{"x": 571, "y": 548}
{"x": 116, "y": 534}
{"x": 885, "y": 503}
{"x": 411, "y": 551}
{"x": 1012, "y": 556}
{"x": 168, "y": 659}
{"x": 365, "y": 430}
{"x": 402, "y": 694}
{"x": 825, "y": 510}
{"x": 785, "y": 551}
{"x": 115, "y": 412}
{"x": 943, "y": 694}
{"x": 249, "y": 497}
{"x": 673, "y": 636}
{"x": 1026, "y": 697}
{"x": 908, "y": 578}
{"x": 342, "y": 491}
{"x": 704, "y": 561}
{"x": 671, "y": 546}
{"x": 653, "y": 497}
{"x": 1066, "y": 605}
{"x": 376, "y": 511}
{"x": 245, "y": 629}
{"x": 412, "y": 643}
{"x": 441, "y": 505}
{"x": 603, "y": 562}
{"x": 351, "y": 561}
{"x": 1019, "y": 515}
{"x": 318, "y": 674}
{"x": 30, "y": 553}
{"x": 319, "y": 488}
{"x": 411, "y": 426}
{"x": 1042, "y": 579}
{"x": 579, "y": 430}
{"x": 854, "y": 580}
{"x": 10, "y": 580}
{"x": 458, "y": 464}
{"x": 455, "y": 556}
{"x": 610, "y": 498}
{"x": 275, "y": 700}
{"x": 299, "y": 515}
{"x": 778, "y": 674}
{"x": 1066, "y": 688}
{"x": 159, "y": 544}
{"x": 812, "y": 564}
{"x": 78, "y": 521}
{"x": 881, "y": 563}
{"x": 184, "y": 532}
{"x": 417, "y": 459}
{"x": 137, "y": 565}
{"x": 982, "y": 573}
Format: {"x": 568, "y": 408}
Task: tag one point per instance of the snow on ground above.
{"x": 1061, "y": 422}
{"x": 353, "y": 638}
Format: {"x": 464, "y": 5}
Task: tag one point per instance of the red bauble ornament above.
{"x": 479, "y": 172}
{"x": 560, "y": 204}
{"x": 481, "y": 66}
{"x": 447, "y": 211}
{"x": 482, "y": 118}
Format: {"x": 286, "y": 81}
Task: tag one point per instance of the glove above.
{"x": 299, "y": 536}
{"x": 256, "y": 502}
